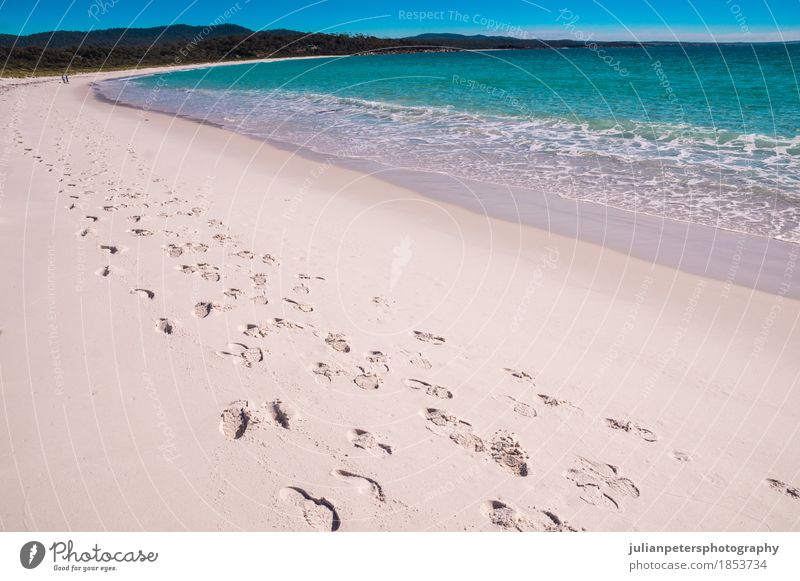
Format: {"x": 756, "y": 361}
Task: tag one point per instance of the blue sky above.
{"x": 724, "y": 20}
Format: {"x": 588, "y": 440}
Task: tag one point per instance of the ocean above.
{"x": 703, "y": 134}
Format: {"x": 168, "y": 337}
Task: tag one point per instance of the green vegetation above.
{"x": 113, "y": 49}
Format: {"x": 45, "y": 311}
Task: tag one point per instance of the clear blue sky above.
{"x": 754, "y": 20}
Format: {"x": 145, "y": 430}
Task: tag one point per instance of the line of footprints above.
{"x": 597, "y": 483}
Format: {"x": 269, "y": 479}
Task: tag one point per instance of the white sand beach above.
{"x": 200, "y": 331}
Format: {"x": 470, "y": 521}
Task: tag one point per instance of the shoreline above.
{"x": 729, "y": 256}
{"x": 204, "y": 332}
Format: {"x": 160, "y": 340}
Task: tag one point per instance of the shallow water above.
{"x": 703, "y": 134}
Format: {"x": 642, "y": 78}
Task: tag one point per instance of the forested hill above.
{"x": 55, "y": 52}
{"x": 158, "y": 35}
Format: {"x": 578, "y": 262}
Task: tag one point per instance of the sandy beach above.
{"x": 200, "y": 331}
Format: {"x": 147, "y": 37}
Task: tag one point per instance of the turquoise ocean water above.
{"x": 703, "y": 134}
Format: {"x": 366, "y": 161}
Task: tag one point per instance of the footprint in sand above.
{"x": 508, "y": 454}
{"x": 235, "y": 419}
{"x": 143, "y": 293}
{"x": 205, "y": 270}
{"x": 233, "y": 293}
{"x": 318, "y": 513}
{"x": 195, "y": 247}
{"x": 367, "y": 441}
{"x": 507, "y": 518}
{"x": 202, "y": 309}
{"x": 443, "y": 424}
{"x": 304, "y": 276}
{"x": 680, "y": 456}
{"x": 286, "y": 324}
{"x": 593, "y": 494}
{"x": 259, "y": 279}
{"x": 553, "y": 402}
{"x": 260, "y": 299}
{"x": 300, "y": 289}
{"x": 208, "y": 271}
{"x": 432, "y": 390}
{"x": 246, "y": 254}
{"x": 85, "y": 232}
{"x": 242, "y": 354}
{"x": 377, "y": 361}
{"x": 363, "y": 484}
{"x": 326, "y": 371}
{"x": 240, "y": 415}
{"x": 164, "y": 325}
{"x": 337, "y": 342}
{"x": 280, "y": 415}
{"x": 519, "y": 375}
{"x": 140, "y": 232}
{"x": 382, "y": 303}
{"x": 175, "y": 250}
{"x": 522, "y": 408}
{"x": 210, "y": 275}
{"x": 783, "y": 488}
{"x": 426, "y": 337}
{"x": 303, "y": 307}
{"x": 222, "y": 238}
{"x": 598, "y": 481}
{"x": 630, "y": 427}
{"x": 368, "y": 381}
{"x": 270, "y": 260}
{"x": 418, "y": 360}
{"x": 256, "y": 331}
{"x": 110, "y": 248}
